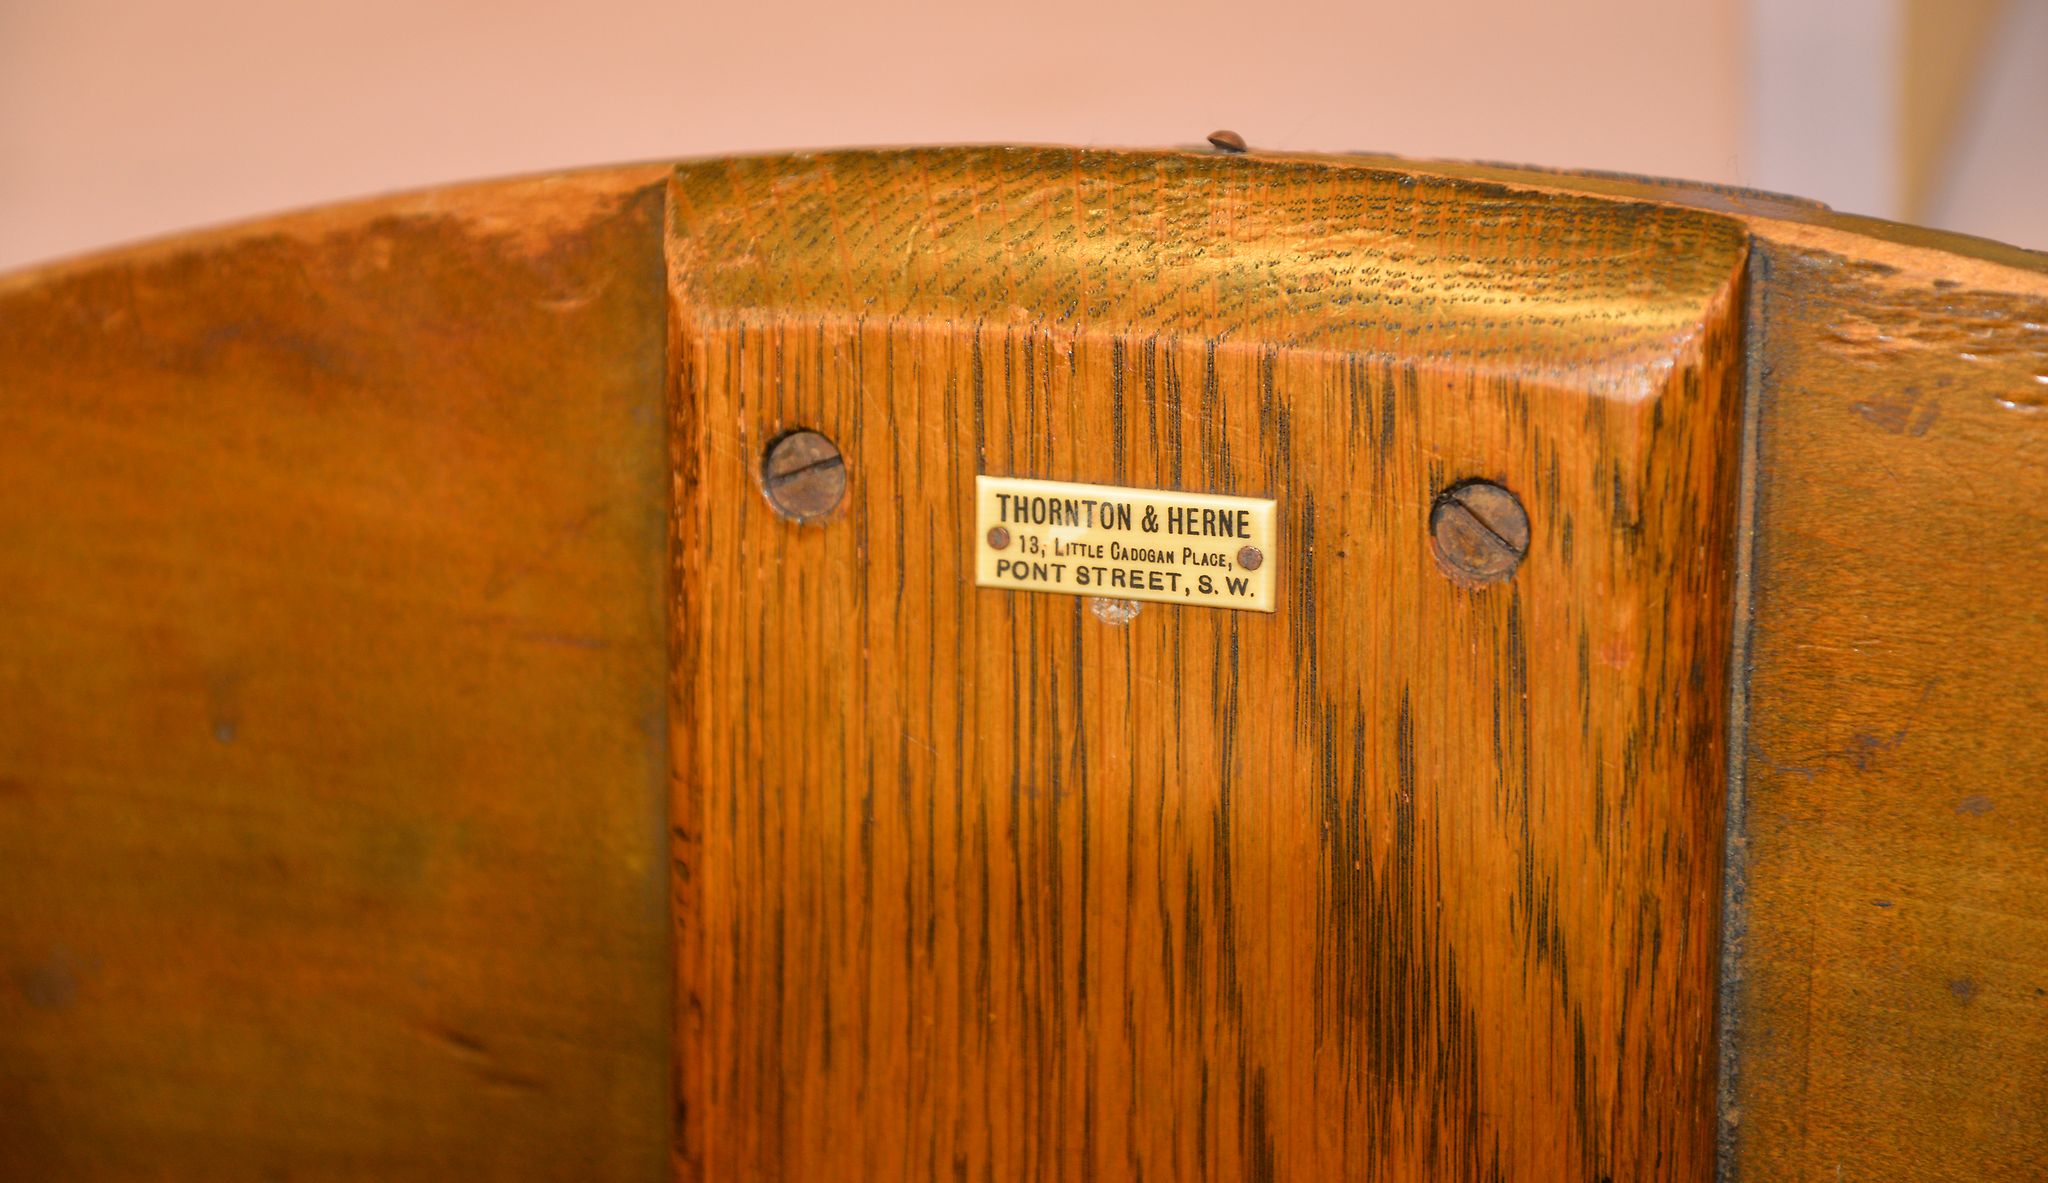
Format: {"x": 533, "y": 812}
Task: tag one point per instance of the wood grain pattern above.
{"x": 1886, "y": 959}
{"x": 1406, "y": 881}
{"x": 345, "y": 588}
{"x": 333, "y": 648}
{"x": 1891, "y": 1002}
{"x": 1886, "y": 937}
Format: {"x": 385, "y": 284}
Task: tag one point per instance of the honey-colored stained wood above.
{"x": 1890, "y": 1007}
{"x": 1408, "y": 880}
{"x": 1885, "y": 1009}
{"x": 333, "y": 649}
{"x": 334, "y": 632}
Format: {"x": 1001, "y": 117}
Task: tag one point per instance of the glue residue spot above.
{"x": 1113, "y": 611}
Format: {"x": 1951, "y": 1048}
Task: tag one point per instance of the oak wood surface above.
{"x": 1885, "y": 970}
{"x": 1406, "y": 881}
{"x": 333, "y": 649}
{"x": 1890, "y": 1008}
{"x": 352, "y": 619}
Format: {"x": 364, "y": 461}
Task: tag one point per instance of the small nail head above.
{"x": 998, "y": 537}
{"x": 1226, "y": 141}
{"x": 1251, "y": 558}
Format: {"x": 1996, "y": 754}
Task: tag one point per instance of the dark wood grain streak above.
{"x": 1407, "y": 880}
{"x": 335, "y": 617}
{"x": 1887, "y": 935}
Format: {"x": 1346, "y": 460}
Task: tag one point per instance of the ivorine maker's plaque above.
{"x": 1128, "y": 544}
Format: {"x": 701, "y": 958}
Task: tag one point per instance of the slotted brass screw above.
{"x": 1478, "y": 532}
{"x": 804, "y": 475}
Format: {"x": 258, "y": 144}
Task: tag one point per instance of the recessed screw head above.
{"x": 1478, "y": 532}
{"x": 803, "y": 475}
{"x": 998, "y": 537}
{"x": 1226, "y": 141}
{"x": 1250, "y": 558}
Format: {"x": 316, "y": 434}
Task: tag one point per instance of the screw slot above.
{"x": 1478, "y": 532}
{"x": 803, "y": 475}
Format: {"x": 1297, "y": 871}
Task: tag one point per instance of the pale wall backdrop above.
{"x": 125, "y": 119}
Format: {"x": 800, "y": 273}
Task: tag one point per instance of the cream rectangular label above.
{"x": 1129, "y": 544}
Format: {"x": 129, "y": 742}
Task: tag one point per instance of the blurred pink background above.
{"x": 123, "y": 119}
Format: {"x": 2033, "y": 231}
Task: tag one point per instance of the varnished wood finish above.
{"x": 1891, "y": 1010}
{"x": 1406, "y": 881}
{"x": 332, "y": 643}
{"x": 1886, "y": 961}
{"x": 371, "y": 671}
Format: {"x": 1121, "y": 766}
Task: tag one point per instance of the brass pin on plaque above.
{"x": 1204, "y": 549}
